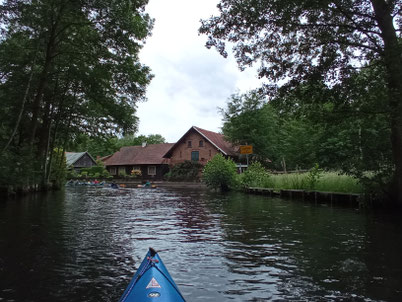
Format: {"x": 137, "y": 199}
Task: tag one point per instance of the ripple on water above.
{"x": 86, "y": 245}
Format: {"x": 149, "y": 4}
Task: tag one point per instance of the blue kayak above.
{"x": 152, "y": 282}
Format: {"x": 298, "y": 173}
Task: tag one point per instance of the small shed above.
{"x": 79, "y": 160}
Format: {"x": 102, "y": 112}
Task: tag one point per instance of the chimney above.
{"x": 144, "y": 144}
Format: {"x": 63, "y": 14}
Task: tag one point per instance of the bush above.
{"x": 84, "y": 174}
{"x": 254, "y": 176}
{"x": 220, "y": 173}
{"x": 72, "y": 174}
{"x": 313, "y": 177}
{"x": 95, "y": 171}
{"x": 186, "y": 171}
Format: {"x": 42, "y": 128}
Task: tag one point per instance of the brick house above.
{"x": 147, "y": 158}
{"x": 200, "y": 145}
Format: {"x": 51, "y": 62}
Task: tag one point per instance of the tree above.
{"x": 249, "y": 120}
{"x": 67, "y": 68}
{"x": 287, "y": 140}
{"x": 304, "y": 40}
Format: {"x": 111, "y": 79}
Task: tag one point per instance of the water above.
{"x": 85, "y": 244}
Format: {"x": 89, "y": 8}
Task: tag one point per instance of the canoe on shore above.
{"x": 152, "y": 282}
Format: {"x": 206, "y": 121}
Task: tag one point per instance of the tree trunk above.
{"x": 24, "y": 99}
{"x": 393, "y": 62}
{"x": 43, "y": 79}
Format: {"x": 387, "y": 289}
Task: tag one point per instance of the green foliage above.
{"x": 328, "y": 182}
{"x": 59, "y": 169}
{"x": 185, "y": 171}
{"x": 254, "y": 176}
{"x": 313, "y": 176}
{"x": 248, "y": 120}
{"x": 339, "y": 79}
{"x": 299, "y": 39}
{"x": 72, "y": 174}
{"x": 18, "y": 168}
{"x": 123, "y": 174}
{"x": 343, "y": 128}
{"x": 220, "y": 173}
{"x": 67, "y": 68}
{"x": 95, "y": 171}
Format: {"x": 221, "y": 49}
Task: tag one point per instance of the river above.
{"x": 84, "y": 244}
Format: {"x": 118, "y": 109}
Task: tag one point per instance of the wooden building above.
{"x": 79, "y": 160}
{"x": 146, "y": 158}
{"x": 200, "y": 145}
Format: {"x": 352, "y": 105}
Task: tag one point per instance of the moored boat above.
{"x": 152, "y": 282}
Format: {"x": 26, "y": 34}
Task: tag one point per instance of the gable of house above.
{"x": 79, "y": 160}
{"x": 199, "y": 145}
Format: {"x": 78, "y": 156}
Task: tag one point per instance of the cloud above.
{"x": 190, "y": 82}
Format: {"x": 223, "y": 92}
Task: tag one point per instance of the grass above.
{"x": 327, "y": 182}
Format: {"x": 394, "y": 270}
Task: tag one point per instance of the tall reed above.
{"x": 327, "y": 182}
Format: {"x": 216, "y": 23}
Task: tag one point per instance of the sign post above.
{"x": 247, "y": 149}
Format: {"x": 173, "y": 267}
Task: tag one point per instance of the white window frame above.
{"x": 151, "y": 170}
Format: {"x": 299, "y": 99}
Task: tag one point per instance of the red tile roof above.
{"x": 138, "y": 155}
{"x": 218, "y": 140}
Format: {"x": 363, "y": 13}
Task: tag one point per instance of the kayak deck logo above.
{"x": 154, "y": 295}
{"x": 153, "y": 284}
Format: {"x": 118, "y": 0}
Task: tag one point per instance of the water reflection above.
{"x": 85, "y": 245}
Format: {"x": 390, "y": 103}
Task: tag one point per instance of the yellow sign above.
{"x": 246, "y": 149}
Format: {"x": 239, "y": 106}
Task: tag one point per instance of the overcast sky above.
{"x": 190, "y": 81}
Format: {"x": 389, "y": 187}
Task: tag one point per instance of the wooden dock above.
{"x": 315, "y": 196}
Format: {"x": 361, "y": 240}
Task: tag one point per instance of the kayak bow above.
{"x": 152, "y": 282}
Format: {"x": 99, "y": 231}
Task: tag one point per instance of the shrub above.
{"x": 186, "y": 171}
{"x": 72, "y": 173}
{"x": 220, "y": 173}
{"x": 313, "y": 176}
{"x": 254, "y": 176}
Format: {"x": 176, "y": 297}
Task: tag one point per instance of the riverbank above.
{"x": 349, "y": 199}
{"x": 13, "y": 191}
{"x": 134, "y": 183}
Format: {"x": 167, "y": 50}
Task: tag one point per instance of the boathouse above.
{"x": 79, "y": 160}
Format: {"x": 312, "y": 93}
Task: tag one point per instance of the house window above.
{"x": 195, "y": 156}
{"x": 201, "y": 143}
{"x": 210, "y": 153}
{"x": 122, "y": 170}
{"x": 152, "y": 170}
{"x": 189, "y": 144}
{"x": 112, "y": 170}
{"x": 180, "y": 154}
